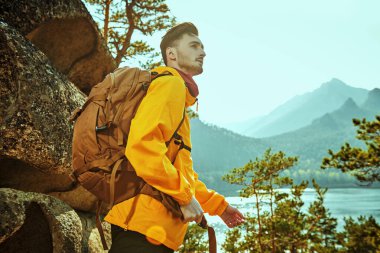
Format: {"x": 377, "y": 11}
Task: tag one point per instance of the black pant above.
{"x": 133, "y": 242}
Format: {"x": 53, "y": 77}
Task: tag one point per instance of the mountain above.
{"x": 329, "y": 131}
{"x": 301, "y": 110}
{"x": 348, "y": 111}
{"x": 373, "y": 101}
{"x": 216, "y": 150}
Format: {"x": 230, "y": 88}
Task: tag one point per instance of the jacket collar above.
{"x": 190, "y": 83}
{"x": 190, "y": 99}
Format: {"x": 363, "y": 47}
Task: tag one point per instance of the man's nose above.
{"x": 203, "y": 53}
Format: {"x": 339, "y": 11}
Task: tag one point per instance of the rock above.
{"x": 35, "y": 222}
{"x": 36, "y": 101}
{"x": 66, "y": 33}
{"x": 91, "y": 241}
{"x": 79, "y": 199}
{"x": 35, "y": 135}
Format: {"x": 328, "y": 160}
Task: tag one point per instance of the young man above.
{"x": 142, "y": 224}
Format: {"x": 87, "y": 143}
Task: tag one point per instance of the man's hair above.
{"x": 175, "y": 33}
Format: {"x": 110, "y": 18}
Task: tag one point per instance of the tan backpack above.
{"x": 100, "y": 135}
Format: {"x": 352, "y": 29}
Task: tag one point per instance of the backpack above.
{"x": 100, "y": 135}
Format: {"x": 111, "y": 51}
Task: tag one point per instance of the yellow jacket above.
{"x": 156, "y": 119}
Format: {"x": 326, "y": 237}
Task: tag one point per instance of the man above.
{"x": 142, "y": 224}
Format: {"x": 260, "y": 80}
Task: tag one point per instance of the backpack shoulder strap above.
{"x": 179, "y": 126}
{"x": 156, "y": 75}
{"x": 167, "y": 73}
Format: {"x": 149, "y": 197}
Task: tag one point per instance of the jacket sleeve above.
{"x": 211, "y": 202}
{"x": 156, "y": 119}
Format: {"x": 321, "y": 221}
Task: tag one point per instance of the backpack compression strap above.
{"x": 211, "y": 235}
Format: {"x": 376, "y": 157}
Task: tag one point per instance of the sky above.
{"x": 262, "y": 53}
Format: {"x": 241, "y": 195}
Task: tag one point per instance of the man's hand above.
{"x": 232, "y": 217}
{"x": 192, "y": 211}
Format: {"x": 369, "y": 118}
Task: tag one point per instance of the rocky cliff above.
{"x": 51, "y": 54}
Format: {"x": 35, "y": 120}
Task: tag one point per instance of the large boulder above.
{"x": 66, "y": 33}
{"x": 34, "y": 222}
{"x": 36, "y": 102}
{"x": 91, "y": 241}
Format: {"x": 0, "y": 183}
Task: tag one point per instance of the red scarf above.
{"x": 190, "y": 83}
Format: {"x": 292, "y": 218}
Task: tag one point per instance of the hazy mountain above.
{"x": 329, "y": 131}
{"x": 217, "y": 150}
{"x": 373, "y": 101}
{"x": 301, "y": 110}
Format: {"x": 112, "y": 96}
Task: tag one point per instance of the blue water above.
{"x": 340, "y": 202}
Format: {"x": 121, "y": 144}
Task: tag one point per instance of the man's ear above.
{"x": 171, "y": 53}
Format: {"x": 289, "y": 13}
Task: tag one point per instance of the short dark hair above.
{"x": 176, "y": 33}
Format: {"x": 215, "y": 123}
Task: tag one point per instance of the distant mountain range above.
{"x": 217, "y": 150}
{"x": 301, "y": 110}
{"x": 329, "y": 131}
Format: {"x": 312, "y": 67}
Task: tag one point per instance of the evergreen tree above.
{"x": 363, "y": 164}
{"x": 279, "y": 224}
{"x": 121, "y": 19}
{"x": 322, "y": 232}
{"x": 256, "y": 178}
{"x": 232, "y": 243}
{"x": 194, "y": 240}
{"x": 360, "y": 237}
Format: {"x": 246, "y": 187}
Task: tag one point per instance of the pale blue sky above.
{"x": 262, "y": 53}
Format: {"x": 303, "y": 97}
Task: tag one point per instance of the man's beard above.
{"x": 191, "y": 67}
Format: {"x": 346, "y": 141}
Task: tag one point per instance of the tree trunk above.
{"x": 106, "y": 19}
{"x": 273, "y": 230}
{"x": 258, "y": 220}
{"x": 128, "y": 37}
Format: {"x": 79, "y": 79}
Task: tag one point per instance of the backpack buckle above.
{"x": 145, "y": 86}
{"x": 102, "y": 128}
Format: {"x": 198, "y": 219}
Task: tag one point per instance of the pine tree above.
{"x": 279, "y": 222}
{"x": 322, "y": 234}
{"x": 121, "y": 19}
{"x": 232, "y": 244}
{"x": 363, "y": 164}
{"x": 194, "y": 240}
{"x": 259, "y": 180}
{"x": 362, "y": 236}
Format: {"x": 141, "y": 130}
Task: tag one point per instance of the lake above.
{"x": 342, "y": 202}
